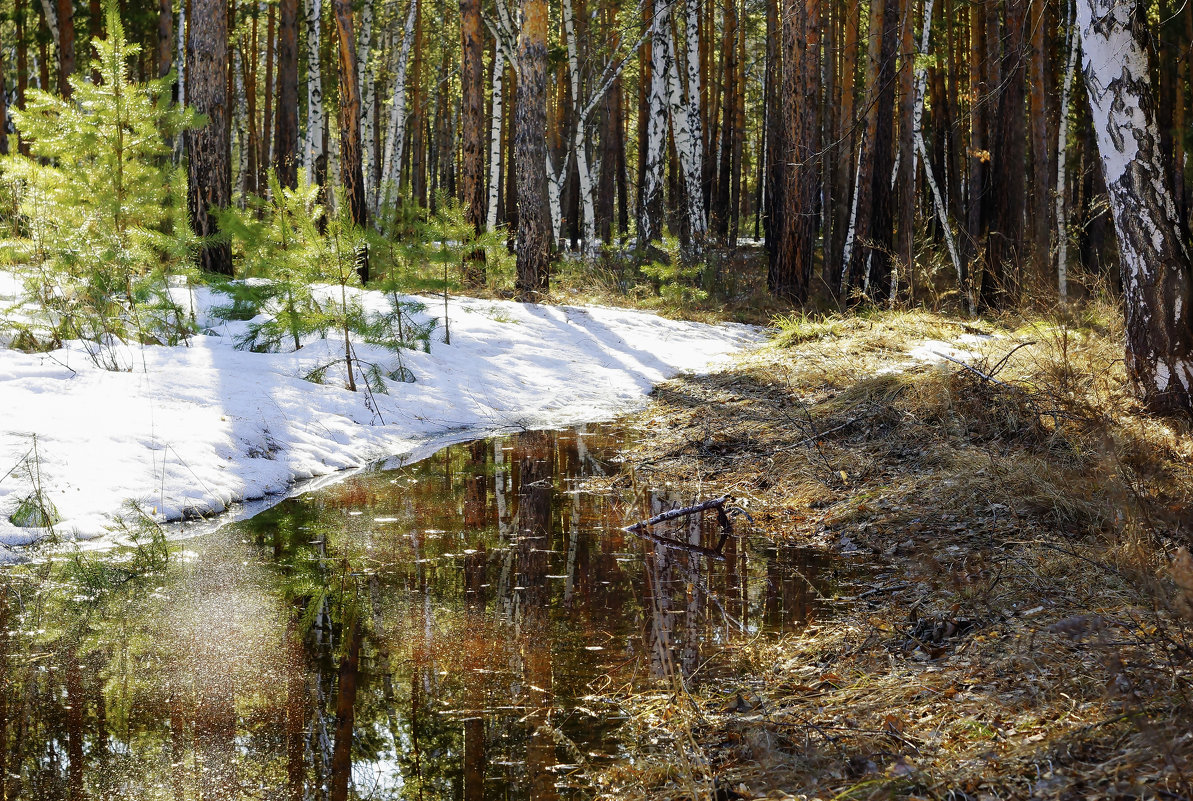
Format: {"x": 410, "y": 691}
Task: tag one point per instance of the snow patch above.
{"x": 194, "y": 430}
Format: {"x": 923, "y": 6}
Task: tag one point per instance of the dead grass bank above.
{"x": 1025, "y": 636}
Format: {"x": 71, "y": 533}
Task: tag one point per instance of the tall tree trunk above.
{"x": 472, "y": 126}
{"x": 316, "y": 152}
{"x": 396, "y": 131}
{"x": 721, "y": 211}
{"x": 791, "y": 269}
{"x": 351, "y": 170}
{"x": 650, "y": 212}
{"x": 209, "y": 165}
{"x": 418, "y": 142}
{"x": 368, "y": 98}
{"x": 265, "y": 158}
{"x": 497, "y": 75}
{"x": 533, "y": 246}
{"x": 773, "y": 120}
{"x": 906, "y": 175}
{"x": 285, "y": 147}
{"x": 165, "y": 38}
{"x": 1062, "y": 150}
{"x": 341, "y": 755}
{"x": 1042, "y": 173}
{"x": 66, "y": 45}
{"x": 1001, "y": 280}
{"x": 3, "y": 152}
{"x": 1156, "y": 270}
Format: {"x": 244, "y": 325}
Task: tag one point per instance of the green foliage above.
{"x": 302, "y": 278}
{"x": 676, "y": 277}
{"x": 147, "y": 554}
{"x": 100, "y": 220}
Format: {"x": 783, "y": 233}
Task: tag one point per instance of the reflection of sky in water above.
{"x": 501, "y": 606}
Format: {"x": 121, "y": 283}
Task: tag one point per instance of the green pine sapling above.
{"x": 102, "y": 209}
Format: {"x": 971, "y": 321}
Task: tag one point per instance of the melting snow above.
{"x": 191, "y": 430}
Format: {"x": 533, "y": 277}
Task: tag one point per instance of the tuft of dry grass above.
{"x": 1029, "y": 634}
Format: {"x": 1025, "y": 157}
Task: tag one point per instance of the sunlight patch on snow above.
{"x": 193, "y": 430}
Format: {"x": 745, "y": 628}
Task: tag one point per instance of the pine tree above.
{"x": 101, "y": 203}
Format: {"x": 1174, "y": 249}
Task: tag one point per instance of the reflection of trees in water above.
{"x": 429, "y": 623}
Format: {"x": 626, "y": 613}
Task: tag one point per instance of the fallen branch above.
{"x": 642, "y": 528}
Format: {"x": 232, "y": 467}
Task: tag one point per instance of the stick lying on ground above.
{"x": 642, "y": 528}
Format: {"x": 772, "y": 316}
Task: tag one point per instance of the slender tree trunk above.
{"x": 395, "y": 138}
{"x": 1062, "y": 150}
{"x": 1001, "y": 280}
{"x": 66, "y": 45}
{"x": 533, "y": 246}
{"x": 1156, "y": 270}
{"x": 368, "y": 98}
{"x": 285, "y": 148}
{"x": 721, "y": 207}
{"x": 1042, "y": 173}
{"x": 3, "y": 152}
{"x": 497, "y": 74}
{"x": 316, "y": 152}
{"x": 265, "y": 158}
{"x": 418, "y": 154}
{"x": 472, "y": 126}
{"x": 650, "y": 212}
{"x": 791, "y": 269}
{"x": 906, "y": 175}
{"x": 341, "y": 755}
{"x": 165, "y": 38}
{"x": 210, "y": 169}
{"x": 351, "y": 170}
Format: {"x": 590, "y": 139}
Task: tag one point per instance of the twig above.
{"x": 642, "y": 528}
{"x": 714, "y": 503}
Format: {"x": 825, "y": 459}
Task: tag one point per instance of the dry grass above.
{"x": 1025, "y": 636}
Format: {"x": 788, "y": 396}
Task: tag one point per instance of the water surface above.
{"x": 458, "y": 628}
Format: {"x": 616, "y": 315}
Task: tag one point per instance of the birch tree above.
{"x": 1157, "y": 275}
{"x": 649, "y": 209}
{"x": 316, "y": 159}
{"x": 396, "y": 129}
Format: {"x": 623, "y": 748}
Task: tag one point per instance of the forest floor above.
{"x": 1025, "y": 632}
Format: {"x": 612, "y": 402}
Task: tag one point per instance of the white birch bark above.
{"x": 656, "y": 126}
{"x": 1154, "y": 259}
{"x": 368, "y": 97}
{"x": 495, "y": 138}
{"x": 555, "y": 195}
{"x": 239, "y": 116}
{"x": 396, "y": 134}
{"x": 1062, "y": 150}
{"x": 579, "y": 138}
{"x": 851, "y": 232}
{"x": 942, "y": 214}
{"x": 315, "y": 118}
{"x": 685, "y": 116}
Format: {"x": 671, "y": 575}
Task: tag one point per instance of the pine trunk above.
{"x": 285, "y": 147}
{"x": 472, "y": 126}
{"x": 66, "y": 45}
{"x": 1157, "y": 274}
{"x": 209, "y": 164}
{"x": 791, "y": 269}
{"x": 351, "y": 173}
{"x": 533, "y": 247}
